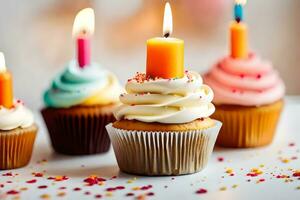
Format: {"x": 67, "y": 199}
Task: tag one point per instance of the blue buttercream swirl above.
{"x": 75, "y": 85}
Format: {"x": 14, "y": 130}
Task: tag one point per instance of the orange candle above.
{"x": 165, "y": 55}
{"x": 6, "y": 91}
{"x": 239, "y": 40}
{"x": 238, "y": 32}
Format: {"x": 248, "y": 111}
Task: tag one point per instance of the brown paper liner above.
{"x": 16, "y": 147}
{"x": 79, "y": 130}
{"x": 157, "y": 153}
{"x": 245, "y": 127}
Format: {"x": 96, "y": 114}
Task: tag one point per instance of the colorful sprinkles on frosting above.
{"x": 141, "y": 77}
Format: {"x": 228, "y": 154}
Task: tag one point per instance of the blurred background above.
{"x": 36, "y": 37}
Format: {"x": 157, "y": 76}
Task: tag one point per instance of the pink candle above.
{"x": 83, "y": 29}
{"x": 83, "y": 51}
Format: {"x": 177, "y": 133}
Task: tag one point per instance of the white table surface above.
{"x": 218, "y": 183}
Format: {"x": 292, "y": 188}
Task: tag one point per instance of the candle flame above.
{"x": 84, "y": 22}
{"x": 168, "y": 21}
{"x": 242, "y": 2}
{"x": 2, "y": 63}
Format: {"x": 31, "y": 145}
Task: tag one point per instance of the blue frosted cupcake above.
{"x": 78, "y": 105}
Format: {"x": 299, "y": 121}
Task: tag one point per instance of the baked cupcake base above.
{"x": 79, "y": 130}
{"x": 175, "y": 150}
{"x": 247, "y": 126}
{"x": 16, "y": 147}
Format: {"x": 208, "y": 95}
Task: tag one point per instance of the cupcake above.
{"x": 79, "y": 104}
{"x": 17, "y": 128}
{"x": 249, "y": 99}
{"x": 163, "y": 125}
{"x": 248, "y": 92}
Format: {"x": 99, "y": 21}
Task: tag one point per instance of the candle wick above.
{"x": 83, "y": 32}
{"x": 238, "y": 20}
{"x": 166, "y": 35}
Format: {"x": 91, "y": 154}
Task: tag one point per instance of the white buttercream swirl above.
{"x": 15, "y": 117}
{"x": 171, "y": 101}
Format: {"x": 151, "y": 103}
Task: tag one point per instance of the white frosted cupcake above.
{"x": 17, "y": 136}
{"x": 163, "y": 126}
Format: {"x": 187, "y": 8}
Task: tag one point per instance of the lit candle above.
{"x": 83, "y": 29}
{"x": 6, "y": 88}
{"x": 165, "y": 55}
{"x": 239, "y": 32}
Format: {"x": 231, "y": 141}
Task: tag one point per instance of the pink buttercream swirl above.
{"x": 247, "y": 82}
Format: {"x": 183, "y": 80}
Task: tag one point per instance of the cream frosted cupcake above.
{"x": 163, "y": 125}
{"x": 79, "y": 104}
{"x": 17, "y": 128}
{"x": 17, "y": 136}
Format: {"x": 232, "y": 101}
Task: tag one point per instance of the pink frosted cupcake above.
{"x": 249, "y": 99}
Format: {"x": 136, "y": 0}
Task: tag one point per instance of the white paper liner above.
{"x": 163, "y": 153}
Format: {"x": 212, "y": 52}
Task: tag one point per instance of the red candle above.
{"x": 83, "y": 51}
{"x": 83, "y": 29}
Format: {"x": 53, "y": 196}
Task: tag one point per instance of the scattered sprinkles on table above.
{"x": 132, "y": 189}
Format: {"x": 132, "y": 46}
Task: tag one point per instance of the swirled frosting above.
{"x": 171, "y": 101}
{"x": 246, "y": 82}
{"x": 92, "y": 85}
{"x": 15, "y": 117}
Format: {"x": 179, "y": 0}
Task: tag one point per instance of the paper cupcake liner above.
{"x": 16, "y": 147}
{"x": 245, "y": 127}
{"x": 78, "y": 132}
{"x": 163, "y": 153}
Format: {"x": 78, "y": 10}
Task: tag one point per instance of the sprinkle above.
{"x": 146, "y": 187}
{"x": 201, "y": 191}
{"x": 285, "y": 160}
{"x": 291, "y": 144}
{"x": 229, "y": 171}
{"x": 136, "y": 188}
{"x": 31, "y": 181}
{"x": 77, "y": 189}
{"x": 92, "y": 180}
{"x": 130, "y": 194}
{"x": 98, "y": 196}
{"x": 282, "y": 176}
{"x": 87, "y": 193}
{"x": 258, "y": 76}
{"x": 254, "y": 172}
{"x": 234, "y": 186}
{"x": 23, "y": 188}
{"x": 150, "y": 194}
{"x": 12, "y": 192}
{"x": 220, "y": 159}
{"x": 296, "y": 173}
{"x": 61, "y": 194}
{"x": 7, "y": 174}
{"x": 108, "y": 194}
{"x": 42, "y": 187}
{"x": 120, "y": 187}
{"x": 298, "y": 188}
{"x": 37, "y": 174}
{"x": 223, "y": 188}
{"x": 141, "y": 197}
{"x": 45, "y": 196}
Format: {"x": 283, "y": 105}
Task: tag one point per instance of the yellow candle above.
{"x": 165, "y": 56}
{"x": 239, "y": 40}
{"x": 6, "y": 91}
